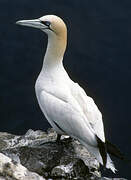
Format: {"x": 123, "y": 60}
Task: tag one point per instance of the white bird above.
{"x": 64, "y": 103}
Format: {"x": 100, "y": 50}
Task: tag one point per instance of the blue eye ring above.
{"x": 47, "y": 23}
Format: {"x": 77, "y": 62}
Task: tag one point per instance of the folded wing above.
{"x": 91, "y": 111}
{"x": 68, "y": 115}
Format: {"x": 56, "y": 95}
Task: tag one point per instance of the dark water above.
{"x": 98, "y": 57}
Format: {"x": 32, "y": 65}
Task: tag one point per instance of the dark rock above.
{"x": 38, "y": 152}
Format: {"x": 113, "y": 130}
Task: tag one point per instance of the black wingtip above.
{"x": 114, "y": 150}
{"x": 102, "y": 149}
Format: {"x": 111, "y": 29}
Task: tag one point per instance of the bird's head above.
{"x": 56, "y": 30}
{"x": 50, "y": 24}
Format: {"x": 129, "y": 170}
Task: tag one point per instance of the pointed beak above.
{"x": 36, "y": 23}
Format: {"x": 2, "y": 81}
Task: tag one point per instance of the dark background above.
{"x": 98, "y": 57}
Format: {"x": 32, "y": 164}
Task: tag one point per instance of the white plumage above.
{"x": 64, "y": 103}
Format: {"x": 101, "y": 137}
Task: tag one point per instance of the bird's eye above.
{"x": 47, "y": 23}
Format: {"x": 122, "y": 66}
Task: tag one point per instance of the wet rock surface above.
{"x": 37, "y": 156}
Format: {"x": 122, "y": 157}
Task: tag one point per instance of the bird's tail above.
{"x": 101, "y": 154}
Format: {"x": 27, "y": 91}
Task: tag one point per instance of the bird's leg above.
{"x": 58, "y": 138}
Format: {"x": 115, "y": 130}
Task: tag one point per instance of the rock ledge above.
{"x": 36, "y": 156}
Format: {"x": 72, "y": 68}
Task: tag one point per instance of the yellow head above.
{"x": 53, "y": 23}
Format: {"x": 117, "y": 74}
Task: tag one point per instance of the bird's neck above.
{"x": 55, "y": 51}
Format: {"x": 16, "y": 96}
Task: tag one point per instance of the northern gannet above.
{"x": 64, "y": 103}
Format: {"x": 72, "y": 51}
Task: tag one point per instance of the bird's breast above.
{"x": 56, "y": 86}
